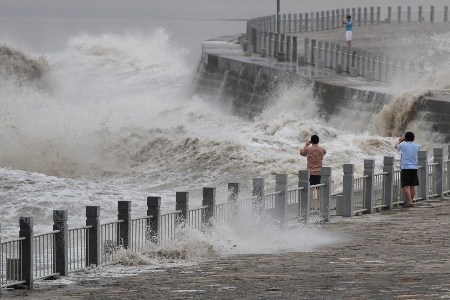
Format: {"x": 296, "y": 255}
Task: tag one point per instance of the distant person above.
{"x": 314, "y": 157}
{"x": 409, "y": 165}
{"x": 348, "y": 30}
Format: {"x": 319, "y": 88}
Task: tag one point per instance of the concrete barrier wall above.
{"x": 248, "y": 85}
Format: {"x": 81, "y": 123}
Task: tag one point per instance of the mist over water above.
{"x": 110, "y": 115}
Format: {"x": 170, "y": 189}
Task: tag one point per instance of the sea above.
{"x": 97, "y": 105}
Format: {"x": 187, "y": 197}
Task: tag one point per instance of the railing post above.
{"x": 289, "y": 29}
{"x": 153, "y": 224}
{"x": 307, "y": 46}
{"x": 333, "y": 19}
{"x": 420, "y": 13}
{"x": 1, "y": 255}
{"x": 423, "y": 175}
{"x": 322, "y": 20}
{"x": 182, "y": 204}
{"x": 339, "y": 201}
{"x": 325, "y": 208}
{"x": 317, "y": 21}
{"x": 27, "y": 249}
{"x": 399, "y": 14}
{"x": 365, "y": 15}
{"x": 258, "y": 193}
{"x": 305, "y": 201}
{"x": 281, "y": 186}
{"x": 372, "y": 12}
{"x": 295, "y": 23}
{"x": 389, "y": 18}
{"x": 300, "y": 22}
{"x": 446, "y": 13}
{"x": 408, "y": 14}
{"x": 61, "y": 242}
{"x": 327, "y": 22}
{"x": 124, "y": 232}
{"x": 93, "y": 236}
{"x": 276, "y": 46}
{"x": 359, "y": 16}
{"x": 209, "y": 199}
{"x": 234, "y": 189}
{"x": 438, "y": 154}
{"x": 378, "y": 14}
{"x": 432, "y": 14}
{"x": 294, "y": 49}
{"x": 388, "y": 166}
{"x": 369, "y": 170}
{"x": 306, "y": 21}
{"x": 348, "y": 186}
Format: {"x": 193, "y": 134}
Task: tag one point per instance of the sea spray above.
{"x": 395, "y": 118}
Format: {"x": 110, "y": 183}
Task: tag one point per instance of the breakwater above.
{"x": 247, "y": 72}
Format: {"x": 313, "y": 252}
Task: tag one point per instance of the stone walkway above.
{"x": 398, "y": 254}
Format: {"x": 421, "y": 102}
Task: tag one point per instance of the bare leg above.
{"x": 407, "y": 191}
{"x": 318, "y": 198}
{"x": 413, "y": 192}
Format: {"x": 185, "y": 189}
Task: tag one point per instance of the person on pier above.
{"x": 409, "y": 165}
{"x": 314, "y": 157}
{"x": 348, "y": 30}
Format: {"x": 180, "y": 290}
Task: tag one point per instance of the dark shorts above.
{"x": 314, "y": 179}
{"x": 409, "y": 177}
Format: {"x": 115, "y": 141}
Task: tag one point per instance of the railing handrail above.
{"x": 141, "y": 218}
{"x": 362, "y": 177}
{"x": 112, "y": 222}
{"x": 47, "y": 233}
{"x": 82, "y": 227}
{"x": 172, "y": 213}
{"x": 201, "y": 207}
{"x": 296, "y": 189}
{"x": 381, "y": 173}
{"x": 14, "y": 240}
{"x": 317, "y": 185}
{"x": 273, "y": 193}
{"x": 433, "y": 164}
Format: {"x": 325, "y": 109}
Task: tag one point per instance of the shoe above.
{"x": 409, "y": 205}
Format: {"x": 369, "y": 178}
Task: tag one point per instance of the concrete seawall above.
{"x": 249, "y": 83}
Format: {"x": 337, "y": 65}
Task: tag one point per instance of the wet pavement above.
{"x": 399, "y": 254}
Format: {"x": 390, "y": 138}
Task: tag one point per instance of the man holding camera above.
{"x": 314, "y": 157}
{"x": 409, "y": 166}
{"x": 348, "y": 30}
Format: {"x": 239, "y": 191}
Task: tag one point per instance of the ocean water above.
{"x": 97, "y": 105}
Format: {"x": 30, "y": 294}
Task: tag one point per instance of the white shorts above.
{"x": 348, "y": 35}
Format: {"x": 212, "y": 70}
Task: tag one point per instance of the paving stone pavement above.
{"x": 398, "y": 254}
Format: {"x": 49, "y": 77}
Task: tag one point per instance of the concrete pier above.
{"x": 252, "y": 81}
{"x": 397, "y": 254}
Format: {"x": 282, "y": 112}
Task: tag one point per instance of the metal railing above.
{"x": 140, "y": 233}
{"x": 109, "y": 241}
{"x": 359, "y": 204}
{"x": 316, "y": 196}
{"x": 44, "y": 255}
{"x": 11, "y": 263}
{"x": 293, "y": 203}
{"x": 379, "y": 190}
{"x": 77, "y": 250}
{"x": 169, "y": 222}
{"x": 432, "y": 180}
{"x": 270, "y": 204}
{"x": 222, "y": 211}
{"x": 196, "y": 218}
{"x": 397, "y": 188}
{"x": 446, "y": 175}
